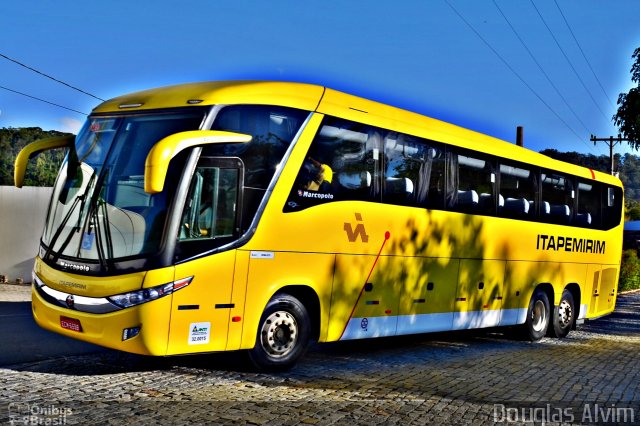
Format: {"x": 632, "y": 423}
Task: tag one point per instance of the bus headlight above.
{"x": 145, "y": 295}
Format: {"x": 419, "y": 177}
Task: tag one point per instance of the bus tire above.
{"x": 538, "y": 316}
{"x": 283, "y": 334}
{"x": 563, "y": 316}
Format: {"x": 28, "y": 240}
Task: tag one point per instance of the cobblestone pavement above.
{"x": 447, "y": 378}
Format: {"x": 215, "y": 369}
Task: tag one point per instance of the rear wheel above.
{"x": 283, "y": 334}
{"x": 563, "y": 315}
{"x": 538, "y": 315}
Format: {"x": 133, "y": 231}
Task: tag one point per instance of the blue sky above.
{"x": 418, "y": 55}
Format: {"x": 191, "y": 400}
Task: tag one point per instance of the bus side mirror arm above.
{"x": 34, "y": 148}
{"x": 157, "y": 162}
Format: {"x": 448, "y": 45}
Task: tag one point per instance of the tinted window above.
{"x": 273, "y": 129}
{"x": 611, "y": 207}
{"x": 518, "y": 192}
{"x": 414, "y": 171}
{"x": 588, "y": 214}
{"x": 353, "y": 161}
{"x": 471, "y": 183}
{"x": 343, "y": 163}
{"x": 557, "y": 198}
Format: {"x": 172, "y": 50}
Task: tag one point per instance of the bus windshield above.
{"x": 99, "y": 209}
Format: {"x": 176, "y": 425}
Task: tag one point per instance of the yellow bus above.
{"x": 261, "y": 216}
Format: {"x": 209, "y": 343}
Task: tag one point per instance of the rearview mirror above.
{"x": 32, "y": 150}
{"x": 157, "y": 162}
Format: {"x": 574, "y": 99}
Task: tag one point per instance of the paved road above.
{"x": 22, "y": 340}
{"x": 452, "y": 378}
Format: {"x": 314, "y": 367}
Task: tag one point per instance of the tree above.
{"x": 628, "y": 116}
{"x": 629, "y": 271}
{"x": 41, "y": 170}
{"x": 628, "y": 166}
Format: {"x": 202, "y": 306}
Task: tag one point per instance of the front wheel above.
{"x": 538, "y": 313}
{"x": 563, "y": 316}
{"x": 283, "y": 334}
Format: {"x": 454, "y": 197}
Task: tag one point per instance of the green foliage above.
{"x": 633, "y": 213}
{"x": 630, "y": 176}
{"x": 629, "y": 271}
{"x": 42, "y": 169}
{"x": 628, "y": 166}
{"x": 600, "y": 163}
{"x": 628, "y": 116}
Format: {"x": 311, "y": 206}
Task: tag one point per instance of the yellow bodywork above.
{"x": 157, "y": 161}
{"x": 436, "y": 271}
{"x": 106, "y": 329}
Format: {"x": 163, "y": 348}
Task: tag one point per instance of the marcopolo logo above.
{"x": 317, "y": 195}
{"x": 74, "y": 266}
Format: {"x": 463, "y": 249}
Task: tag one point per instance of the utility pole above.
{"x": 611, "y": 141}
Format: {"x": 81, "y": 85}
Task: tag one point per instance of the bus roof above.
{"x": 295, "y": 95}
{"x": 327, "y": 101}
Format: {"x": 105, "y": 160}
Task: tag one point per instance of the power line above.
{"x": 504, "y": 61}
{"x": 583, "y": 54}
{"x": 540, "y": 67}
{"x": 42, "y": 100}
{"x": 49, "y": 77}
{"x": 568, "y": 60}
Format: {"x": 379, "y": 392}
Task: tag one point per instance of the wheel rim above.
{"x": 279, "y": 334}
{"x": 565, "y": 313}
{"x": 538, "y": 316}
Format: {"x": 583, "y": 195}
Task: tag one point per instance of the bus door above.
{"x": 607, "y": 299}
{"x": 592, "y": 290}
{"x": 601, "y": 289}
{"x": 201, "y": 312}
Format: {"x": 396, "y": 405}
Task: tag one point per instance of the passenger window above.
{"x": 343, "y": 163}
{"x": 611, "y": 207}
{"x": 557, "y": 199}
{"x": 518, "y": 190}
{"x": 414, "y": 172}
{"x": 588, "y": 214}
{"x": 471, "y": 184}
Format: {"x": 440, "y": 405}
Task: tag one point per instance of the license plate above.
{"x": 70, "y": 324}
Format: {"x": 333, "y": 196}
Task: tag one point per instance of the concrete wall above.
{"x": 22, "y": 215}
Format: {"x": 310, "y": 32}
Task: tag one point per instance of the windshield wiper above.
{"x": 80, "y": 198}
{"x": 100, "y": 228}
{"x": 94, "y": 224}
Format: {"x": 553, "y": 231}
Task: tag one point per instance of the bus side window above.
{"x": 588, "y": 214}
{"x": 414, "y": 172}
{"x": 518, "y": 192}
{"x": 471, "y": 184}
{"x": 343, "y": 163}
{"x": 558, "y": 198}
{"x": 611, "y": 206}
